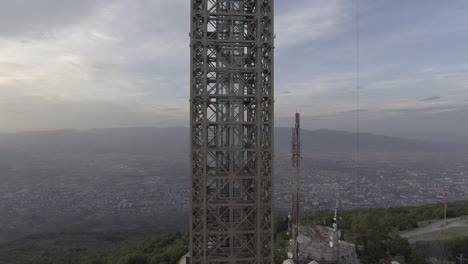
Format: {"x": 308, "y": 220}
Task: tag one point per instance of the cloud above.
{"x": 355, "y": 111}
{"x": 392, "y": 83}
{"x": 433, "y": 109}
{"x": 25, "y": 18}
{"x": 312, "y": 21}
{"x": 337, "y": 115}
{"x": 432, "y": 98}
{"x": 172, "y": 109}
{"x": 96, "y": 60}
{"x": 105, "y": 63}
{"x": 37, "y": 112}
{"x": 318, "y": 86}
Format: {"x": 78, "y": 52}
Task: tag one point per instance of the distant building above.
{"x": 314, "y": 245}
{"x": 185, "y": 259}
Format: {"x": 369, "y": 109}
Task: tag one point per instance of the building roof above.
{"x": 184, "y": 257}
{"x": 314, "y": 242}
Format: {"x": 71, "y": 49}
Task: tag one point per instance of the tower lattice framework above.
{"x": 231, "y": 131}
{"x": 296, "y": 164}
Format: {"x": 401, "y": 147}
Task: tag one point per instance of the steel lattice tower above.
{"x": 231, "y": 131}
{"x": 296, "y": 164}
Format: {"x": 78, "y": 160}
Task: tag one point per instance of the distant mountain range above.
{"x": 175, "y": 140}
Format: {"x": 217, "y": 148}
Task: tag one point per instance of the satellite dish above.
{"x": 300, "y": 239}
{"x": 290, "y": 255}
{"x": 331, "y": 244}
{"x": 317, "y": 245}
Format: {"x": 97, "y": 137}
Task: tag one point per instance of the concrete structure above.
{"x": 231, "y": 102}
{"x": 184, "y": 259}
{"x": 315, "y": 245}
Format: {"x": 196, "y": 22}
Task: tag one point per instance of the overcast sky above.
{"x": 118, "y": 63}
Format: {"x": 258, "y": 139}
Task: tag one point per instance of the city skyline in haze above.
{"x": 94, "y": 64}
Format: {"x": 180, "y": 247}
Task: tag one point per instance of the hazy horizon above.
{"x": 462, "y": 139}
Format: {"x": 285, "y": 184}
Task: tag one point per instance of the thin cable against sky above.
{"x": 358, "y": 147}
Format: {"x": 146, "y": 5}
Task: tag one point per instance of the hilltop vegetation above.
{"x": 376, "y": 230}
{"x": 96, "y": 248}
{"x": 399, "y": 218}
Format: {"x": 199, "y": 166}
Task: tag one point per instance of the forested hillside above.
{"x": 376, "y": 230}
{"x": 96, "y": 248}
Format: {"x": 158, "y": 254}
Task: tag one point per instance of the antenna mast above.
{"x": 296, "y": 158}
{"x": 336, "y": 226}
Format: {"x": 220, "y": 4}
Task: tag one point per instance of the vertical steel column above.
{"x": 231, "y": 102}
{"x": 296, "y": 164}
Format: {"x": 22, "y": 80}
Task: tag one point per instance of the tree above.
{"x": 457, "y": 246}
{"x": 396, "y": 245}
{"x": 135, "y": 259}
